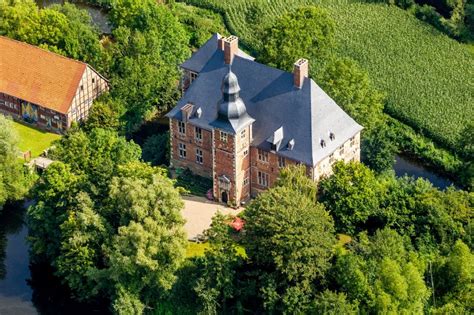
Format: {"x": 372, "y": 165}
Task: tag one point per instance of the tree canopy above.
{"x": 305, "y": 33}
{"x": 13, "y": 182}
{"x": 109, "y": 224}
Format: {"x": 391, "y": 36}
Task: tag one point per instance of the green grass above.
{"x": 33, "y": 139}
{"x": 196, "y": 249}
{"x": 427, "y": 76}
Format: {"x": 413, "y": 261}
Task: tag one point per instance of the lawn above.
{"x": 196, "y": 249}
{"x": 34, "y": 139}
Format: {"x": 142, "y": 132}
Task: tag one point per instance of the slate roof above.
{"x": 202, "y": 56}
{"x": 37, "y": 75}
{"x": 305, "y": 115}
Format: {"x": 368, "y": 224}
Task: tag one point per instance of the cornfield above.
{"x": 428, "y": 78}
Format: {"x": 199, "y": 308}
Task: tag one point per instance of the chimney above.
{"x": 300, "y": 72}
{"x": 220, "y": 43}
{"x": 231, "y": 45}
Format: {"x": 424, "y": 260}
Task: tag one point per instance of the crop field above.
{"x": 427, "y": 77}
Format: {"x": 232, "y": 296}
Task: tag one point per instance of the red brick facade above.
{"x": 189, "y": 142}
{"x": 42, "y": 117}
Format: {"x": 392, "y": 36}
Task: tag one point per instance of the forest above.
{"x": 106, "y": 215}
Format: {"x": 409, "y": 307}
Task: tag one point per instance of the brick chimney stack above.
{"x": 231, "y": 45}
{"x": 300, "y": 72}
{"x": 220, "y": 43}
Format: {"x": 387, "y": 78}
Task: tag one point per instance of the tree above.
{"x": 289, "y": 240}
{"x": 96, "y": 155}
{"x": 218, "y": 281}
{"x": 454, "y": 278}
{"x": 351, "y": 88}
{"x": 156, "y": 149}
{"x": 105, "y": 114}
{"x": 381, "y": 274}
{"x": 307, "y": 33}
{"x": 351, "y": 194}
{"x": 332, "y": 303}
{"x": 13, "y": 183}
{"x": 379, "y": 148}
{"x": 108, "y": 224}
{"x": 63, "y": 29}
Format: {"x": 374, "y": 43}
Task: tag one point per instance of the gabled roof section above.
{"x": 297, "y": 118}
{"x": 199, "y": 59}
{"x": 37, "y": 75}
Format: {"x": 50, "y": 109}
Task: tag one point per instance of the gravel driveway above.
{"x": 198, "y": 212}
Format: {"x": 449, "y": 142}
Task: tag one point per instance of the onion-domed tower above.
{"x": 232, "y": 134}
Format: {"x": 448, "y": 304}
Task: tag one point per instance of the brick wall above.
{"x": 46, "y": 118}
{"x": 192, "y": 144}
{"x": 224, "y": 163}
{"x": 271, "y": 167}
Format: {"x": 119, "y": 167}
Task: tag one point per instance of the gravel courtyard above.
{"x": 198, "y": 213}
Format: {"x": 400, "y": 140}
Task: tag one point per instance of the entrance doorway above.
{"x": 224, "y": 197}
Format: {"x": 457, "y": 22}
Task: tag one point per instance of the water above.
{"x": 98, "y": 15}
{"x": 15, "y": 293}
{"x": 30, "y": 289}
{"x": 404, "y": 166}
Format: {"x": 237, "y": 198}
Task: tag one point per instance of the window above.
{"x": 262, "y": 155}
{"x": 182, "y": 150}
{"x": 2, "y": 102}
{"x": 82, "y": 87}
{"x": 331, "y": 158}
{"x": 341, "y": 150}
{"x": 243, "y": 133}
{"x": 93, "y": 80}
{"x": 246, "y": 152}
{"x": 332, "y": 136}
{"x": 199, "y": 158}
{"x": 246, "y": 181}
{"x": 323, "y": 143}
{"x": 181, "y": 127}
{"x": 281, "y": 162}
{"x": 198, "y": 133}
{"x": 352, "y": 141}
{"x": 193, "y": 76}
{"x": 223, "y": 136}
{"x": 262, "y": 179}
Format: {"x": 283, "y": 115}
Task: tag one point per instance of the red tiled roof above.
{"x": 37, "y": 75}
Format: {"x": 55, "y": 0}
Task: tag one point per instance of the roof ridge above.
{"x": 42, "y": 49}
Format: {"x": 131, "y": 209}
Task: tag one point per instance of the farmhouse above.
{"x": 239, "y": 122}
{"x": 44, "y": 88}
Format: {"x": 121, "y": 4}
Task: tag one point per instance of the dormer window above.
{"x": 291, "y": 144}
{"x": 322, "y": 143}
{"x": 332, "y": 136}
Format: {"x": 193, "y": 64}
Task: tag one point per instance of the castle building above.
{"x": 239, "y": 122}
{"x": 45, "y": 89}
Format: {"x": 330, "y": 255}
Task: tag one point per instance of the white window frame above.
{"x": 262, "y": 179}
{"x": 262, "y": 155}
{"x": 181, "y": 127}
{"x": 198, "y": 133}
{"x": 199, "y": 156}
{"x": 281, "y": 162}
{"x": 182, "y": 150}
